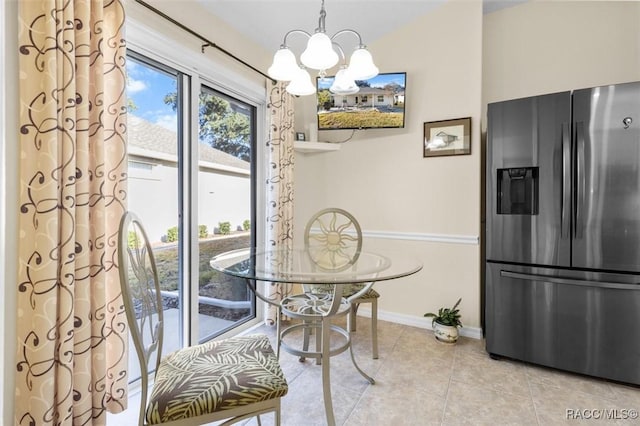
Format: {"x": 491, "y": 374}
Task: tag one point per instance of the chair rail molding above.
{"x": 419, "y": 236}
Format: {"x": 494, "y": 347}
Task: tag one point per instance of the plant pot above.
{"x": 445, "y": 333}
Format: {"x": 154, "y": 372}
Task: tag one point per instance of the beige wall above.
{"x": 551, "y": 46}
{"x": 382, "y": 178}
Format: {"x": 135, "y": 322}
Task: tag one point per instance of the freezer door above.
{"x": 528, "y": 180}
{"x": 606, "y": 124}
{"x": 580, "y": 321}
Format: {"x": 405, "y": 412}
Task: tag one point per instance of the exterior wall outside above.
{"x": 221, "y": 196}
{"x": 149, "y": 189}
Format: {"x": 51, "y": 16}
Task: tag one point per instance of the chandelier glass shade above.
{"x": 284, "y": 67}
{"x": 343, "y": 84}
{"x": 319, "y": 54}
{"x": 361, "y": 66}
{"x": 322, "y": 53}
{"x": 301, "y": 84}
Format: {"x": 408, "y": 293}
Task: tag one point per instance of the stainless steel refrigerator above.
{"x": 562, "y": 284}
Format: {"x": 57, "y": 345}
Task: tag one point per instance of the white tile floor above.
{"x": 420, "y": 381}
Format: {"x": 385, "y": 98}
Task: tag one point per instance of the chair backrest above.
{"x": 141, "y": 297}
{"x": 333, "y": 239}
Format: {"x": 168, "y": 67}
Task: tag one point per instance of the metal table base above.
{"x": 324, "y": 310}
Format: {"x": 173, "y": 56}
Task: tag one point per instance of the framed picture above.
{"x": 447, "y": 137}
{"x": 299, "y": 136}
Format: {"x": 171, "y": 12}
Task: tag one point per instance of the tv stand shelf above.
{"x": 310, "y": 147}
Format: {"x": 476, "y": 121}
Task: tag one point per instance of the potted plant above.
{"x": 446, "y": 322}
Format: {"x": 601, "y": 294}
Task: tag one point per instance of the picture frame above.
{"x": 447, "y": 137}
{"x": 300, "y": 136}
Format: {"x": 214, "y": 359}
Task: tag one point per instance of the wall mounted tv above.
{"x": 378, "y": 104}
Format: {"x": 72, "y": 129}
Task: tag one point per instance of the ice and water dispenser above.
{"x": 518, "y": 191}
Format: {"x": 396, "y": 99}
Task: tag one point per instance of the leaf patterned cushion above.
{"x": 215, "y": 376}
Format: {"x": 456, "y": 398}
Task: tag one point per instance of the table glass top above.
{"x": 298, "y": 266}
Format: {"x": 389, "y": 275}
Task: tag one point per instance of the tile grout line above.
{"x": 380, "y": 367}
{"x": 533, "y": 402}
{"x": 446, "y": 398}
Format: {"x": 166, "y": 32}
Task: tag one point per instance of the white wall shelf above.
{"x": 309, "y": 147}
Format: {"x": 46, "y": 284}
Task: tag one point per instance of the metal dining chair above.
{"x": 333, "y": 239}
{"x": 231, "y": 379}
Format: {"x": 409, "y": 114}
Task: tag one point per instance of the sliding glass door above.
{"x": 226, "y": 133}
{"x": 191, "y": 182}
{"x": 154, "y": 184}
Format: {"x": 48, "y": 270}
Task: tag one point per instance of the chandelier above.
{"x": 322, "y": 53}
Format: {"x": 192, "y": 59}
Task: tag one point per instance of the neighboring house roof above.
{"x": 155, "y": 138}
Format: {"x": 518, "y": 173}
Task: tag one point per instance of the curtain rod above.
{"x": 208, "y": 43}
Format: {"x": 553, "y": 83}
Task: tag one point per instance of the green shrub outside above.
{"x": 202, "y": 231}
{"x": 172, "y": 234}
{"x": 225, "y": 227}
{"x": 246, "y": 225}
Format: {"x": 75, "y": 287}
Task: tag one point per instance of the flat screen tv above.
{"x": 378, "y": 104}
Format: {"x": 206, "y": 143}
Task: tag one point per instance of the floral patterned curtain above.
{"x": 279, "y": 184}
{"x": 71, "y": 327}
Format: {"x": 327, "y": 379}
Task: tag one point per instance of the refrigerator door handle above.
{"x": 570, "y": 281}
{"x": 580, "y": 178}
{"x": 566, "y": 182}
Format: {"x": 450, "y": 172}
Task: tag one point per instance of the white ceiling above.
{"x": 266, "y": 21}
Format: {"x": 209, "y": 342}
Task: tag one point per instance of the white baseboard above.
{"x": 413, "y": 321}
{"x": 410, "y": 320}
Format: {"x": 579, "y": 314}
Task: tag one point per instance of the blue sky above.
{"x": 378, "y": 81}
{"x": 147, "y": 87}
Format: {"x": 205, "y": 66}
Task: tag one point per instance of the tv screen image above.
{"x": 378, "y": 104}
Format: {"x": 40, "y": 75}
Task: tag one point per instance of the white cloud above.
{"x": 168, "y": 121}
{"x": 132, "y": 65}
{"x": 133, "y": 68}
{"x": 134, "y": 86}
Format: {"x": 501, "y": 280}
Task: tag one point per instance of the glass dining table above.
{"x": 315, "y": 310}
